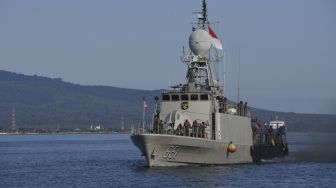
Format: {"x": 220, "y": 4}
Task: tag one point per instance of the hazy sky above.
{"x": 287, "y": 47}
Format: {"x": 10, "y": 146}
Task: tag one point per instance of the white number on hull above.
{"x": 171, "y": 152}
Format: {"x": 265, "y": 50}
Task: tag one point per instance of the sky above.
{"x": 287, "y": 48}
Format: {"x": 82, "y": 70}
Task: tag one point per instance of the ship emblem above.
{"x": 184, "y": 105}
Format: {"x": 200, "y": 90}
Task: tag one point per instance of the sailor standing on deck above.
{"x": 194, "y": 128}
{"x": 203, "y": 126}
{"x": 160, "y": 127}
{"x": 156, "y": 122}
{"x": 187, "y": 127}
{"x": 179, "y": 130}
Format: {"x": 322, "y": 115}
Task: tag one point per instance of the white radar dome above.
{"x": 199, "y": 42}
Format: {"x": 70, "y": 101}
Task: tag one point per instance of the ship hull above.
{"x": 266, "y": 152}
{"x": 172, "y": 150}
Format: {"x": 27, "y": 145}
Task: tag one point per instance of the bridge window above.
{"x": 166, "y": 97}
{"x": 175, "y": 97}
{"x": 184, "y": 97}
{"x": 194, "y": 97}
{"x": 204, "y": 97}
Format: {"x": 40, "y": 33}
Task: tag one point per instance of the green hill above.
{"x": 42, "y": 102}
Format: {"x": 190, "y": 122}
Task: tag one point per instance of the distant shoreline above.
{"x": 114, "y": 132}
{"x": 55, "y": 133}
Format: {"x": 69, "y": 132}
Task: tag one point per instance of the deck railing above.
{"x": 197, "y": 132}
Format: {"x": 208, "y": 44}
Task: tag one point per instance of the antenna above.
{"x": 122, "y": 128}
{"x": 204, "y": 12}
{"x": 219, "y": 75}
{"x": 169, "y": 82}
{"x": 238, "y": 73}
{"x": 224, "y": 74}
{"x": 13, "y": 119}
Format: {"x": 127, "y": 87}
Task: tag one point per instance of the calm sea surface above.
{"x": 111, "y": 160}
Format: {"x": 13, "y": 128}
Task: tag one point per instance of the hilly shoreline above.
{"x": 42, "y": 102}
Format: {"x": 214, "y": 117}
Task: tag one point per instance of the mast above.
{"x": 203, "y": 44}
{"x": 203, "y": 17}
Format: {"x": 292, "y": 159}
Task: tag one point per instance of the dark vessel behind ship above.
{"x": 269, "y": 141}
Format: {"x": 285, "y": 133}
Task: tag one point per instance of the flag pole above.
{"x": 143, "y": 114}
{"x": 143, "y": 119}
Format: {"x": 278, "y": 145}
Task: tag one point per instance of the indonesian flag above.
{"x": 215, "y": 41}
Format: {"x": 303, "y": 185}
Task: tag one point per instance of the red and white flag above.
{"x": 215, "y": 41}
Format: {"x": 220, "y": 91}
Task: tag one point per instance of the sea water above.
{"x": 111, "y": 160}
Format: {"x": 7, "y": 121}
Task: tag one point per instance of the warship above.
{"x": 195, "y": 124}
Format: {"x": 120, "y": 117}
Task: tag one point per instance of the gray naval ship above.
{"x": 195, "y": 124}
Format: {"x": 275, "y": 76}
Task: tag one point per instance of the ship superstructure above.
{"x": 195, "y": 123}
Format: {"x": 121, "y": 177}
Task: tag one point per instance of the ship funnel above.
{"x": 199, "y": 42}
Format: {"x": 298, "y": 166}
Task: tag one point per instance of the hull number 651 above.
{"x": 171, "y": 152}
